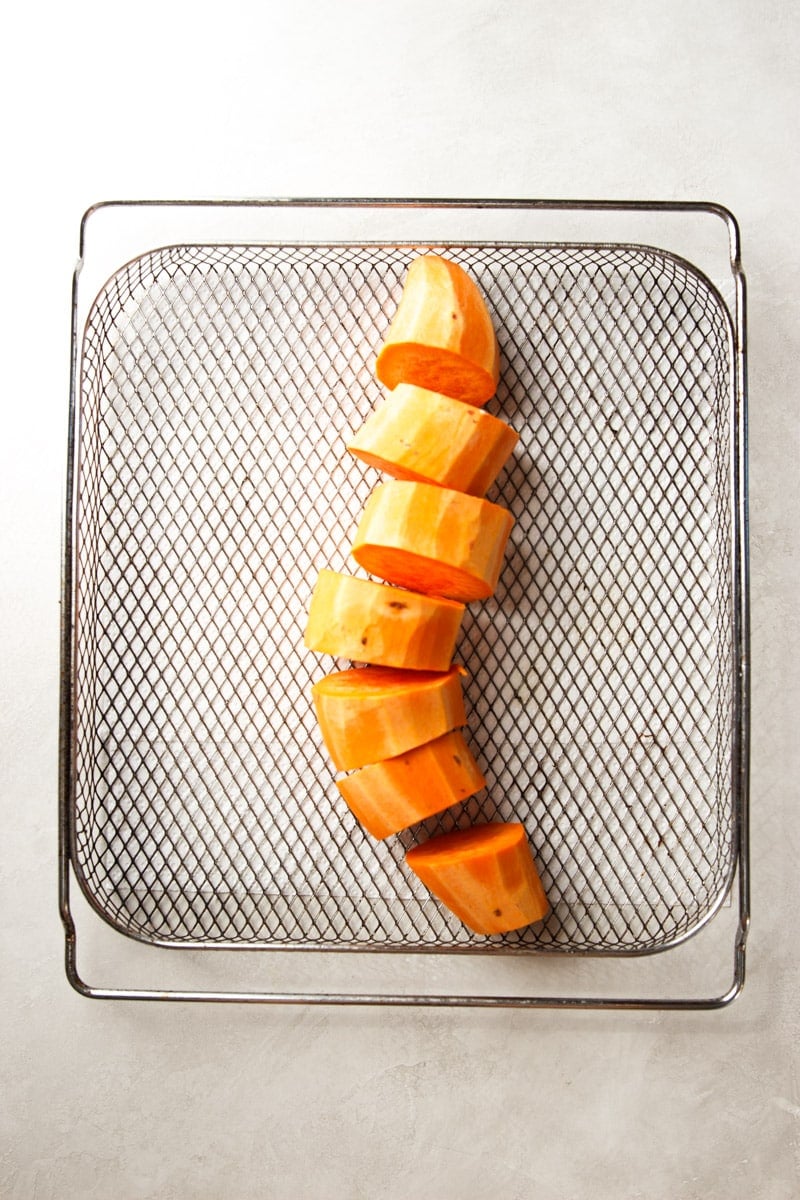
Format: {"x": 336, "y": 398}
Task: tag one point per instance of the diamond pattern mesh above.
{"x": 218, "y": 386}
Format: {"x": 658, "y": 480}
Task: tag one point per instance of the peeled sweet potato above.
{"x": 367, "y": 714}
{"x": 388, "y": 796}
{"x": 432, "y": 539}
{"x": 430, "y": 438}
{"x": 441, "y": 336}
{"x": 372, "y": 623}
{"x": 485, "y": 875}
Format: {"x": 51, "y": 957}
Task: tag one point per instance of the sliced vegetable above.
{"x": 432, "y": 539}
{"x": 441, "y": 336}
{"x": 485, "y": 875}
{"x": 430, "y": 438}
{"x": 391, "y": 795}
{"x": 367, "y": 714}
{"x": 373, "y": 623}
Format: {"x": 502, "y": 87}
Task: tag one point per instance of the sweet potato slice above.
{"x": 372, "y": 623}
{"x": 367, "y": 714}
{"x": 432, "y": 539}
{"x": 391, "y": 795}
{"x": 485, "y": 875}
{"x": 441, "y": 336}
{"x": 430, "y": 438}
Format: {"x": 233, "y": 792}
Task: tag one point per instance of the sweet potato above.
{"x": 485, "y": 875}
{"x": 430, "y": 438}
{"x": 391, "y": 795}
{"x": 367, "y": 714}
{"x": 441, "y": 336}
{"x": 432, "y": 539}
{"x": 372, "y": 623}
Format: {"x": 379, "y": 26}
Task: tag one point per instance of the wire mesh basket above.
{"x": 214, "y": 387}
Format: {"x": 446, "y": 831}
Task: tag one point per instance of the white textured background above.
{"x": 463, "y": 97}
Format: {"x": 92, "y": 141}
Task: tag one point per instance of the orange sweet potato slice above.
{"x": 367, "y": 714}
{"x": 441, "y": 336}
{"x": 430, "y": 438}
{"x": 372, "y": 623}
{"x": 432, "y": 539}
{"x": 388, "y": 796}
{"x": 485, "y": 875}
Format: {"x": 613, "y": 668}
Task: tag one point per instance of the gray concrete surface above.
{"x": 543, "y": 99}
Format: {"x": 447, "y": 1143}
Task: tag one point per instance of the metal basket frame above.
{"x": 68, "y": 857}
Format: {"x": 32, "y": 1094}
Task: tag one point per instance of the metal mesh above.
{"x": 218, "y": 387}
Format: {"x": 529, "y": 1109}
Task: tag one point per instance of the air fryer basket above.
{"x": 215, "y": 387}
